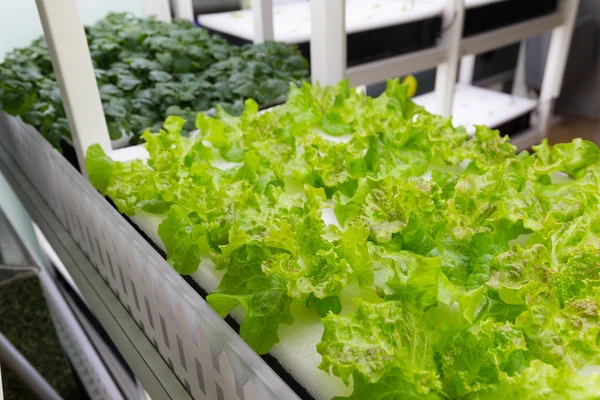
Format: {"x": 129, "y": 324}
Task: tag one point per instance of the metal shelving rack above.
{"x": 176, "y": 344}
{"x": 561, "y": 24}
{"x": 453, "y": 50}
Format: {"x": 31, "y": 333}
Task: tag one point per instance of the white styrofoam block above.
{"x": 292, "y": 21}
{"x": 477, "y": 106}
{"x": 130, "y": 153}
{"x": 121, "y": 142}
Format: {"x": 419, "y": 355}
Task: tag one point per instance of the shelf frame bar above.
{"x": 74, "y": 71}
{"x": 501, "y": 37}
{"x": 262, "y": 18}
{"x": 446, "y": 73}
{"x": 555, "y": 64}
{"x": 380, "y": 70}
{"x": 467, "y": 69}
{"x": 328, "y": 41}
{"x": 519, "y": 86}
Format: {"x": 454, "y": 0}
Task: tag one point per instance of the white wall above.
{"x": 20, "y": 23}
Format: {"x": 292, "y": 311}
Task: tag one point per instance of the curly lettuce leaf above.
{"x": 576, "y": 253}
{"x": 378, "y": 339}
{"x": 572, "y": 158}
{"x": 182, "y": 237}
{"x": 394, "y": 385}
{"x": 561, "y": 336}
{"x": 542, "y": 381}
{"x": 263, "y": 299}
{"x": 476, "y": 359}
{"x": 99, "y": 167}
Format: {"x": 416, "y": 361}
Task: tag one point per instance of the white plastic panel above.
{"x": 292, "y": 21}
{"x": 477, "y": 106}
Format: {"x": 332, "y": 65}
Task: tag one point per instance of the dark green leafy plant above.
{"x": 475, "y": 271}
{"x": 146, "y": 70}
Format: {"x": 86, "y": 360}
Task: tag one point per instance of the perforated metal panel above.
{"x": 208, "y": 357}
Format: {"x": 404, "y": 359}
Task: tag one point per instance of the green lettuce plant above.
{"x": 483, "y": 264}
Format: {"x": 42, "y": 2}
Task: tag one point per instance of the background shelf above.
{"x": 376, "y": 29}
{"x": 477, "y": 106}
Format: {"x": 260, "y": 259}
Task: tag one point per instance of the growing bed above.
{"x": 381, "y": 242}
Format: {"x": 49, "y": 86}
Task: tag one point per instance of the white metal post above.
{"x": 262, "y": 18}
{"x": 161, "y": 9}
{"x": 328, "y": 41}
{"x": 72, "y": 65}
{"x": 183, "y": 9}
{"x": 445, "y": 81}
{"x": 467, "y": 68}
{"x": 555, "y": 64}
{"x": 519, "y": 87}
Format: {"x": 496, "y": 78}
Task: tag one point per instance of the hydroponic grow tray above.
{"x": 376, "y": 29}
{"x": 295, "y": 357}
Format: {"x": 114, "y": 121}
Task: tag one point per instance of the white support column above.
{"x": 445, "y": 81}
{"x": 519, "y": 87}
{"x": 555, "y": 64}
{"x": 183, "y": 9}
{"x": 328, "y": 41}
{"x": 467, "y": 68}
{"x": 161, "y": 9}
{"x": 72, "y": 65}
{"x": 262, "y": 18}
